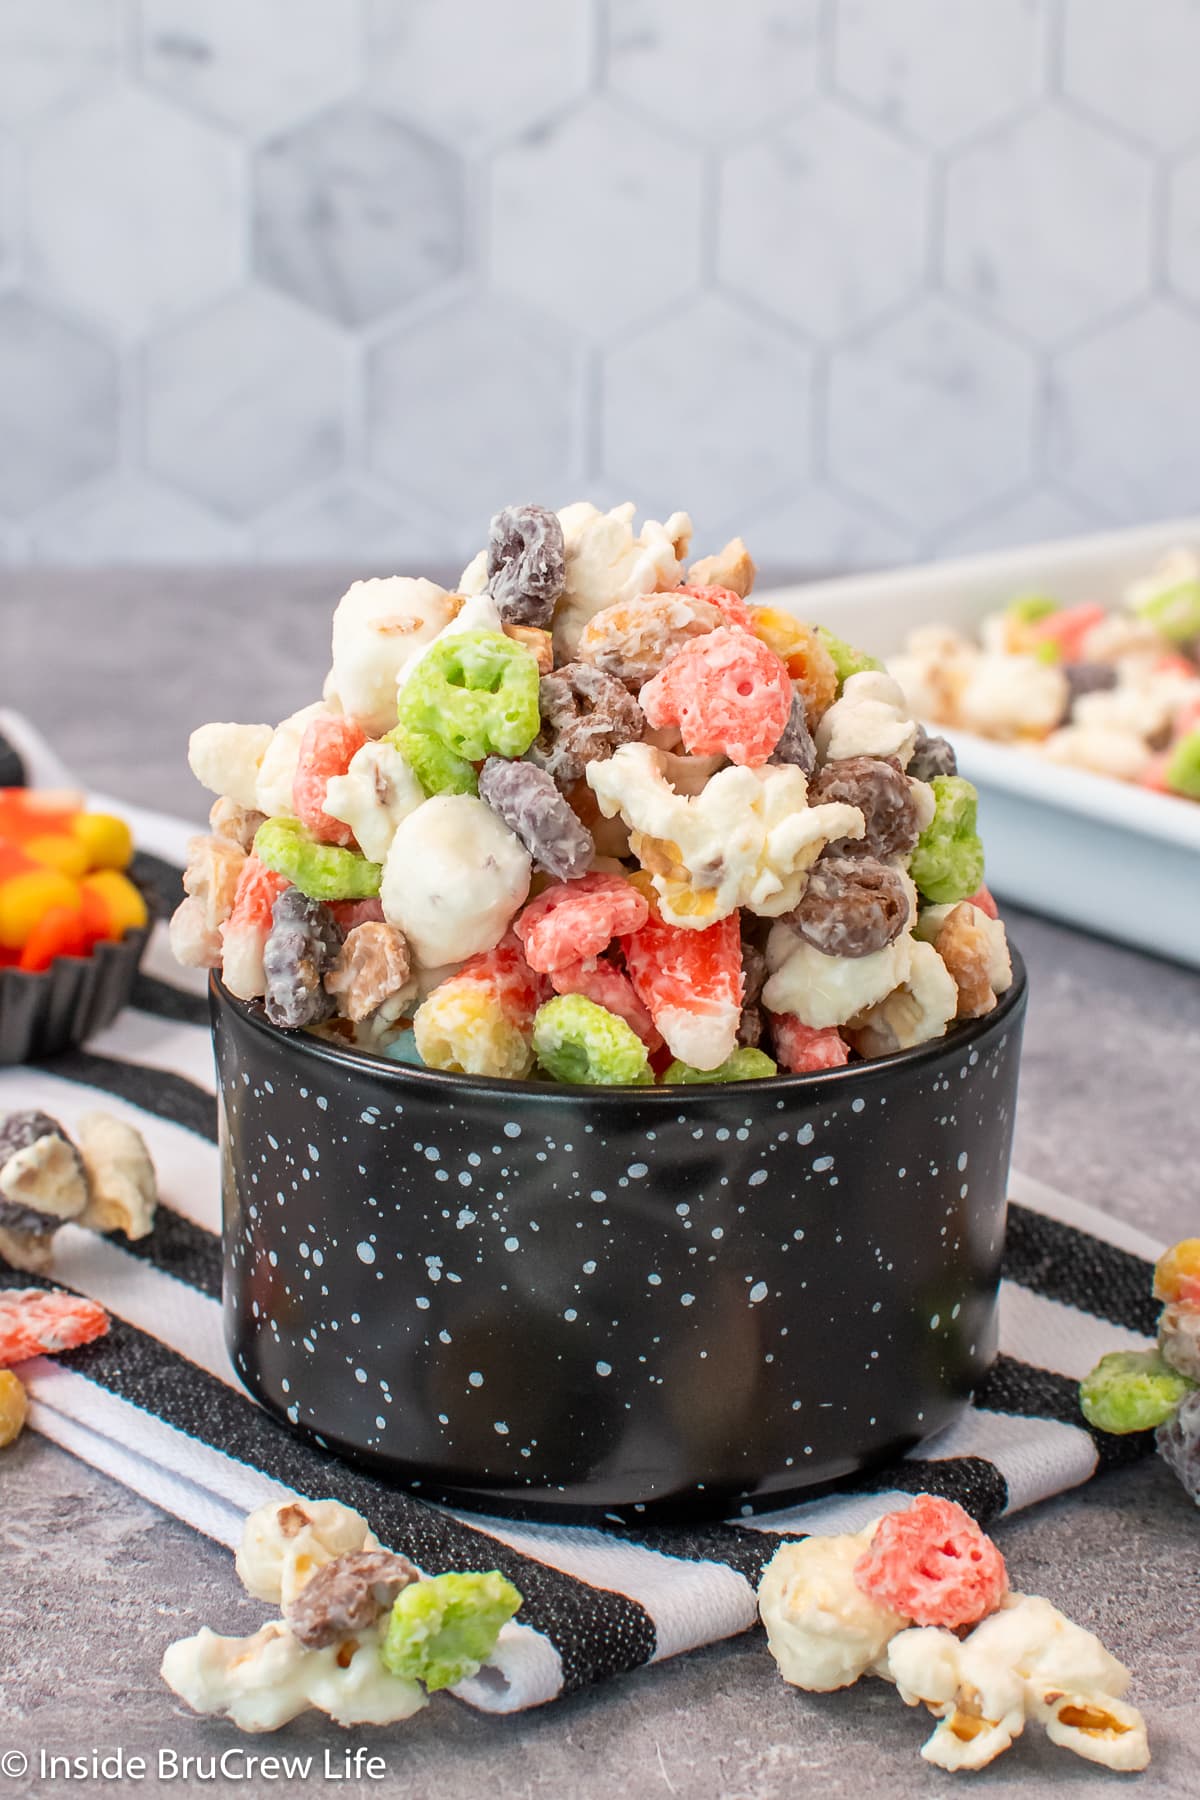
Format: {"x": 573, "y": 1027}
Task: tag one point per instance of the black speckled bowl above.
{"x": 627, "y": 1302}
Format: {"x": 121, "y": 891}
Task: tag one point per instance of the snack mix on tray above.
{"x": 362, "y": 1635}
{"x": 595, "y": 818}
{"x": 105, "y": 1182}
{"x": 63, "y": 888}
{"x": 1113, "y": 690}
{"x": 1159, "y": 1390}
{"x": 921, "y": 1599}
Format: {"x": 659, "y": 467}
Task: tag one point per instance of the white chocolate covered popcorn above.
{"x": 277, "y": 773}
{"x": 263, "y": 1681}
{"x": 823, "y": 1631}
{"x": 732, "y": 567}
{"x": 606, "y": 561}
{"x": 932, "y": 670}
{"x": 872, "y": 718}
{"x": 1101, "y": 749}
{"x": 1024, "y": 1661}
{"x": 919, "y": 1009}
{"x": 226, "y": 759}
{"x": 123, "y": 1188}
{"x": 378, "y": 628}
{"x": 454, "y": 877}
{"x": 287, "y": 1541}
{"x": 829, "y": 990}
{"x": 1012, "y": 696}
{"x": 747, "y": 838}
{"x": 378, "y": 790}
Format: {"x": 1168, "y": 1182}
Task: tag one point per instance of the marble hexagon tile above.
{"x": 684, "y": 63}
{"x": 1123, "y": 418}
{"x": 471, "y": 407}
{"x": 246, "y": 403}
{"x": 58, "y": 406}
{"x": 824, "y": 222}
{"x": 345, "y": 523}
{"x": 474, "y": 74}
{"x": 596, "y": 219}
{"x": 53, "y": 52}
{"x": 714, "y": 405}
{"x": 940, "y": 72}
{"x": 1134, "y": 67}
{"x": 931, "y": 416}
{"x": 254, "y": 65}
{"x": 129, "y": 520}
{"x": 355, "y": 214}
{"x": 1048, "y": 225}
{"x": 133, "y": 212}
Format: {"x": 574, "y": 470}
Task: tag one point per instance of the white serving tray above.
{"x": 1081, "y": 847}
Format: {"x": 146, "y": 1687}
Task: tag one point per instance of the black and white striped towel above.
{"x": 156, "y": 1405}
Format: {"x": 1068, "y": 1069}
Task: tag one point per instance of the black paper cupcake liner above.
{"x": 44, "y": 1013}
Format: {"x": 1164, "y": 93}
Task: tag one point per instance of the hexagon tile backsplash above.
{"x": 329, "y": 280}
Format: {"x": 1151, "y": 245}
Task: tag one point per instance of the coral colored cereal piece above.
{"x": 37, "y": 1322}
{"x": 692, "y": 983}
{"x": 728, "y": 693}
{"x": 934, "y": 1564}
{"x": 604, "y": 983}
{"x": 480, "y": 1020}
{"x": 577, "y": 919}
{"x": 1177, "y": 1273}
{"x": 325, "y": 750}
{"x": 1067, "y": 629}
{"x": 731, "y": 606}
{"x": 983, "y": 899}
{"x": 802, "y": 1049}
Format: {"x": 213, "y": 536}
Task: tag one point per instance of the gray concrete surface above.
{"x": 94, "y": 1583}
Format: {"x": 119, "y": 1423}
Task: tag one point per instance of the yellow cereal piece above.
{"x": 1177, "y": 1273}
{"x": 462, "y": 1028}
{"x": 14, "y": 1408}
{"x": 107, "y": 840}
{"x": 124, "y": 904}
{"x": 25, "y": 898}
{"x": 58, "y": 850}
{"x": 802, "y": 653}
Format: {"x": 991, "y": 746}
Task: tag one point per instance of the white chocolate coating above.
{"x": 378, "y": 628}
{"x": 748, "y": 838}
{"x": 378, "y": 790}
{"x": 823, "y": 1631}
{"x": 287, "y": 1541}
{"x": 607, "y": 562}
{"x": 124, "y": 1187}
{"x": 262, "y": 1682}
{"x": 226, "y": 759}
{"x": 915, "y": 1012}
{"x": 454, "y": 877}
{"x": 277, "y": 773}
{"x": 872, "y": 718}
{"x": 830, "y": 990}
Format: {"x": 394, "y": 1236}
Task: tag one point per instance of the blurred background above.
{"x": 329, "y": 280}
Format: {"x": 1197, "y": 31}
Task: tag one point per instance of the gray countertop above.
{"x": 115, "y": 670}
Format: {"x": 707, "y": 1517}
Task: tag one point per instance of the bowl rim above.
{"x": 403, "y": 1075}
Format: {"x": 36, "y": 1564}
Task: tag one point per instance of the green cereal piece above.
{"x": 475, "y": 691}
{"x": 1173, "y": 611}
{"x": 1048, "y": 652}
{"x": 322, "y": 871}
{"x": 947, "y": 863}
{"x": 443, "y": 1629}
{"x": 576, "y": 1040}
{"x": 1027, "y": 609}
{"x": 846, "y": 659}
{"x": 435, "y": 766}
{"x": 1182, "y": 773}
{"x": 1131, "y": 1390}
{"x": 745, "y": 1064}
